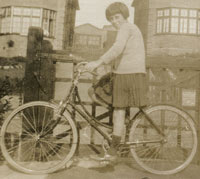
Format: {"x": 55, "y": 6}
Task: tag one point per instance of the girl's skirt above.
{"x": 129, "y": 90}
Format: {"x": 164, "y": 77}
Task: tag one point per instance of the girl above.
{"x": 127, "y": 56}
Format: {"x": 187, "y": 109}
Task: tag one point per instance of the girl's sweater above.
{"x": 127, "y": 53}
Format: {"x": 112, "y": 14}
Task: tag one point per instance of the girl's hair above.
{"x": 117, "y": 8}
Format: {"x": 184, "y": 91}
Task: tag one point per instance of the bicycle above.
{"x": 41, "y": 137}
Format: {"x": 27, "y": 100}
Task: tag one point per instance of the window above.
{"x": 49, "y": 21}
{"x": 5, "y": 15}
{"x": 81, "y": 40}
{"x": 19, "y": 19}
{"x": 178, "y": 21}
{"x": 93, "y": 41}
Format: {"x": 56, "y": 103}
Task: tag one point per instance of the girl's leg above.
{"x": 118, "y": 122}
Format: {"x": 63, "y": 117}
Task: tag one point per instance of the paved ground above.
{"x": 120, "y": 171}
{"x": 85, "y": 169}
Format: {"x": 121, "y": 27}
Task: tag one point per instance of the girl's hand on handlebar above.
{"x": 81, "y": 67}
{"x": 91, "y": 66}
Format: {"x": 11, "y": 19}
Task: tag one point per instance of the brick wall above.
{"x": 18, "y": 49}
{"x": 58, "y": 42}
{"x": 141, "y": 18}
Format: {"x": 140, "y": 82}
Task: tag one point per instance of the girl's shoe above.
{"x": 106, "y": 157}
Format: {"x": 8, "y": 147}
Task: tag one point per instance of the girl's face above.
{"x": 117, "y": 20}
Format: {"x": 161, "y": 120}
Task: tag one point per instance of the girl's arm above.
{"x": 116, "y": 49}
{"x": 119, "y": 45}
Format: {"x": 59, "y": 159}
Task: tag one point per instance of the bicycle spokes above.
{"x": 35, "y": 139}
{"x": 163, "y": 154}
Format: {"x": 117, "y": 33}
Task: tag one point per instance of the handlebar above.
{"x": 81, "y": 64}
{"x": 80, "y": 68}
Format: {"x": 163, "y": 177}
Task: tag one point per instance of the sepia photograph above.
{"x": 99, "y": 89}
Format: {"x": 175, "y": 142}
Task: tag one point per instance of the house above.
{"x": 89, "y": 41}
{"x": 89, "y": 36}
{"x": 171, "y": 31}
{"x": 169, "y": 27}
{"x": 111, "y": 33}
{"x": 56, "y": 18}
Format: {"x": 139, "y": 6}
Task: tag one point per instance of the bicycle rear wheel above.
{"x": 33, "y": 141}
{"x": 166, "y": 154}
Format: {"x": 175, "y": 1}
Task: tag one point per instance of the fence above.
{"x": 174, "y": 80}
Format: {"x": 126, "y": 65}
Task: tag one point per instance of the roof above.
{"x": 109, "y": 27}
{"x": 88, "y": 24}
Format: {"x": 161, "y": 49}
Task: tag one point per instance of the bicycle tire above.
{"x": 167, "y": 155}
{"x": 32, "y": 145}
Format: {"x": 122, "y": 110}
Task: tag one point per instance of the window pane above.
{"x": 177, "y": 20}
{"x": 54, "y": 15}
{"x": 175, "y": 12}
{"x": 35, "y": 21}
{"x": 184, "y": 12}
{"x": 25, "y": 26}
{"x": 51, "y": 27}
{"x": 159, "y": 25}
{"x": 174, "y": 25}
{"x": 93, "y": 40}
{"x": 6, "y": 24}
{"x": 0, "y": 23}
{"x": 45, "y": 24}
{"x": 183, "y": 25}
{"x": 17, "y": 11}
{"x": 83, "y": 39}
{"x": 166, "y": 25}
{"x": 24, "y": 17}
{"x": 45, "y": 13}
{"x": 36, "y": 12}
{"x": 48, "y": 22}
{"x": 51, "y": 15}
{"x": 8, "y": 11}
{"x": 2, "y": 11}
{"x": 193, "y": 13}
{"x": 45, "y": 27}
{"x": 27, "y": 11}
{"x": 166, "y": 12}
{"x": 198, "y": 26}
{"x": 160, "y": 13}
{"x": 16, "y": 24}
{"x": 192, "y": 26}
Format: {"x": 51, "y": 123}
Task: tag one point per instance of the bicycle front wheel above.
{"x": 35, "y": 141}
{"x": 168, "y": 153}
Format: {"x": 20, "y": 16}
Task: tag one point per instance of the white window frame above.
{"x": 184, "y": 21}
{"x": 35, "y": 16}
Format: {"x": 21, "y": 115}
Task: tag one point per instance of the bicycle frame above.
{"x": 89, "y": 118}
{"x": 73, "y": 99}
{"x": 161, "y": 138}
{"x": 94, "y": 123}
